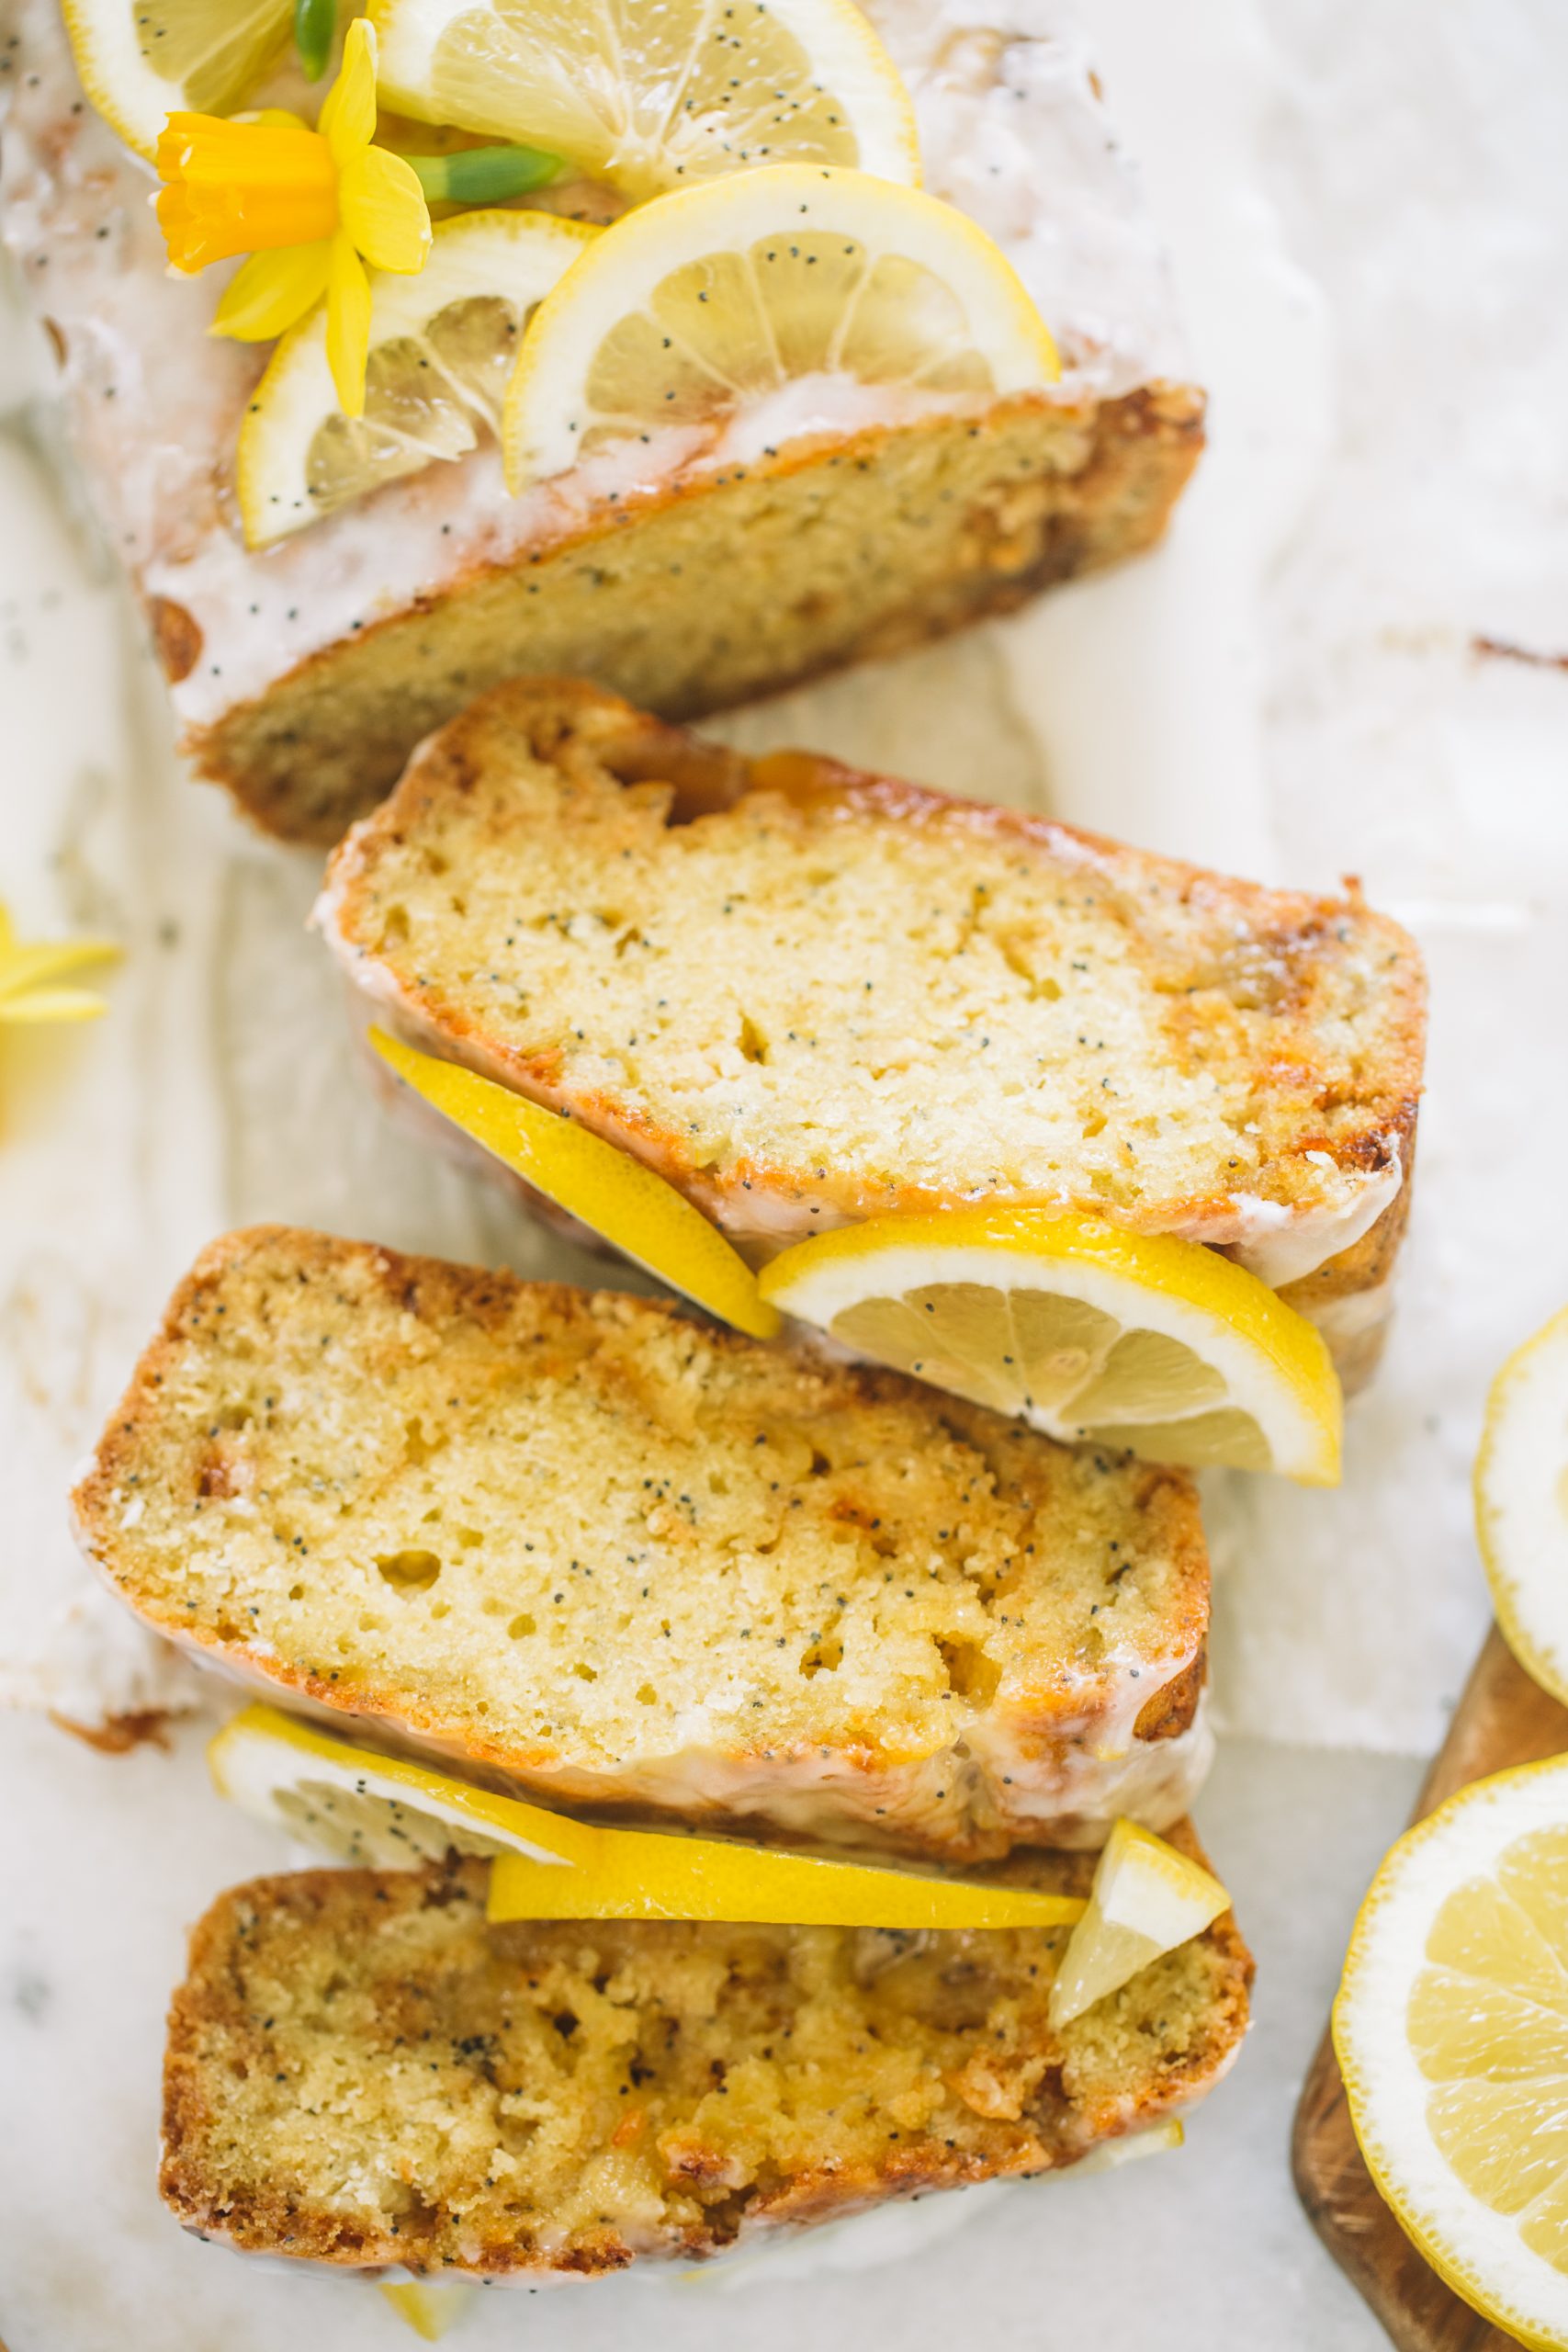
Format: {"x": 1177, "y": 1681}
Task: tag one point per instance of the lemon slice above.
{"x": 626, "y": 1202}
{"x": 1128, "y": 1340}
{"x": 379, "y": 1811}
{"x": 647, "y": 98}
{"x": 1146, "y": 1898}
{"x": 1521, "y": 1504}
{"x": 756, "y": 309}
{"x": 142, "y": 59}
{"x": 1451, "y": 2030}
{"x": 443, "y": 347}
{"x": 365, "y": 1807}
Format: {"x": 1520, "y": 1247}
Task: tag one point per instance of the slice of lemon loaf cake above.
{"x": 632, "y": 1561}
{"x": 807, "y": 496}
{"x": 360, "y": 2070}
{"x": 808, "y": 995}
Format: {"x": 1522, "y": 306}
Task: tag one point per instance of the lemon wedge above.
{"x": 443, "y": 347}
{"x": 649, "y": 97}
{"x": 1451, "y": 2030}
{"x": 431, "y": 2311}
{"x": 1521, "y": 1504}
{"x": 626, "y": 1202}
{"x": 752, "y": 309}
{"x": 1146, "y": 1898}
{"x": 362, "y": 1806}
{"x": 1136, "y": 1340}
{"x": 142, "y": 59}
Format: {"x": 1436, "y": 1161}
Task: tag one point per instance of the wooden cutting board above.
{"x": 1504, "y": 1718}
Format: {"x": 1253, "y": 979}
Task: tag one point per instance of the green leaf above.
{"x": 315, "y": 23}
{"x": 483, "y": 175}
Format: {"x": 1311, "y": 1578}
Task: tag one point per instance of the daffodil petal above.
{"x": 271, "y": 291}
{"x": 273, "y": 119}
{"x": 53, "y": 1005}
{"x": 7, "y": 934}
{"x": 381, "y": 205}
{"x": 29, "y": 967}
{"x": 348, "y": 324}
{"x": 348, "y": 113}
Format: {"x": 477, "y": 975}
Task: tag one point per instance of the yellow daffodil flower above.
{"x": 29, "y": 976}
{"x": 310, "y": 207}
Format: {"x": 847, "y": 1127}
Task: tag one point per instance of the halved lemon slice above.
{"x": 629, "y": 1203}
{"x": 365, "y": 1807}
{"x": 1451, "y": 2030}
{"x": 380, "y": 1811}
{"x": 1521, "y": 1504}
{"x": 647, "y": 98}
{"x": 1121, "y": 1339}
{"x": 443, "y": 347}
{"x": 142, "y": 59}
{"x": 1147, "y": 1899}
{"x": 764, "y": 307}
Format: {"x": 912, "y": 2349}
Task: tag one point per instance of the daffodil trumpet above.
{"x": 483, "y": 175}
{"x": 310, "y": 207}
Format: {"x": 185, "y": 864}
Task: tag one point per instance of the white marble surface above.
{"x": 1368, "y": 214}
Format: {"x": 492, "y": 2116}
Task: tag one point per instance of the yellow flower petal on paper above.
{"x": 22, "y": 968}
{"x": 348, "y": 323}
{"x": 29, "y": 977}
{"x": 382, "y": 208}
{"x": 272, "y": 291}
{"x": 53, "y": 1005}
{"x": 348, "y": 115}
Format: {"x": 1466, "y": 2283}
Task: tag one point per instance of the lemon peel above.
{"x": 362, "y": 1805}
{"x": 1521, "y": 1503}
{"x": 624, "y": 1201}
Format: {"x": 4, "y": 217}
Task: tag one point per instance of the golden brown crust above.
{"x": 1007, "y": 1757}
{"x": 391, "y": 1983}
{"x": 1067, "y": 490}
{"x": 1354, "y": 1107}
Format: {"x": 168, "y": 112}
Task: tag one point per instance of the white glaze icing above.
{"x": 1060, "y": 1774}
{"x": 1279, "y": 1242}
{"x": 1012, "y": 130}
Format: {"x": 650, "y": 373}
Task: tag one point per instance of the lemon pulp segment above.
{"x": 647, "y": 98}
{"x": 1451, "y": 2030}
{"x": 708, "y": 303}
{"x": 1146, "y": 1900}
{"x": 443, "y": 347}
{"x": 1135, "y": 1340}
{"x": 142, "y": 59}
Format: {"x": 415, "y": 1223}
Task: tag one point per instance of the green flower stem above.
{"x": 315, "y": 23}
{"x": 483, "y": 175}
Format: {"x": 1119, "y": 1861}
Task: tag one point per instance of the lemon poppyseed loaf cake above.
{"x": 303, "y": 672}
{"x": 808, "y": 995}
{"x": 630, "y": 1561}
{"x": 361, "y": 2071}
